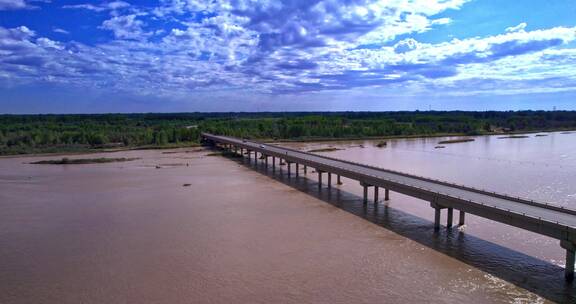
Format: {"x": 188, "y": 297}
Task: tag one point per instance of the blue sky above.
{"x": 297, "y": 55}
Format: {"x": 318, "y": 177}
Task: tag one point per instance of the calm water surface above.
{"x": 538, "y": 167}
{"x": 132, "y": 233}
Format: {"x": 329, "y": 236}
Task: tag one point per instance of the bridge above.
{"x": 539, "y": 217}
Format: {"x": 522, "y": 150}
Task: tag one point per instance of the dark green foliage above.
{"x": 66, "y": 133}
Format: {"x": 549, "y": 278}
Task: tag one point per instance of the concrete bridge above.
{"x": 542, "y": 218}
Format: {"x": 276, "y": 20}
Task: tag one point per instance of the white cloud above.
{"x": 406, "y": 45}
{"x": 12, "y": 4}
{"x": 519, "y": 28}
{"x": 289, "y": 47}
{"x": 106, "y": 6}
{"x": 61, "y": 31}
{"x": 125, "y": 27}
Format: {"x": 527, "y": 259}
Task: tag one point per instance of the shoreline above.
{"x": 271, "y": 141}
{"x": 324, "y": 139}
{"x": 88, "y": 152}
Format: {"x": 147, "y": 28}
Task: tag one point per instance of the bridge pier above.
{"x": 273, "y": 164}
{"x": 437, "y": 214}
{"x": 375, "y": 195}
{"x": 386, "y": 194}
{"x": 450, "y": 218}
{"x": 339, "y": 182}
{"x": 288, "y": 165}
{"x": 437, "y": 219}
{"x": 329, "y": 180}
{"x": 570, "y": 259}
{"x": 365, "y": 196}
{"x": 297, "y": 169}
{"x": 319, "y": 179}
{"x": 305, "y": 169}
{"x": 462, "y": 215}
{"x": 569, "y": 271}
{"x": 266, "y": 161}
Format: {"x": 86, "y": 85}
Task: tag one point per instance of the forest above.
{"x": 23, "y": 134}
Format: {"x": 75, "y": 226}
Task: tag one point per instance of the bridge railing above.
{"x": 313, "y": 159}
{"x": 442, "y": 182}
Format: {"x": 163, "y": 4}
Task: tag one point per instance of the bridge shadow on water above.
{"x": 540, "y": 277}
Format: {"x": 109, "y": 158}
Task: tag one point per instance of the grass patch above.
{"x": 82, "y": 161}
{"x": 324, "y": 150}
{"x": 455, "y": 141}
{"x": 514, "y": 136}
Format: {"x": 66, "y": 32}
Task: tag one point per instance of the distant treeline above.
{"x": 21, "y": 134}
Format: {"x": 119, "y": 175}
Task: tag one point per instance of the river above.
{"x": 132, "y": 232}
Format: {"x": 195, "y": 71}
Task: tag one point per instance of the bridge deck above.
{"x": 486, "y": 200}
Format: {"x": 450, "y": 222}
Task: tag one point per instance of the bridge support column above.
{"x": 319, "y": 179}
{"x": 339, "y": 182}
{"x": 437, "y": 218}
{"x": 570, "y": 259}
{"x": 329, "y": 180}
{"x": 273, "y": 164}
{"x": 365, "y": 194}
{"x": 375, "y": 195}
{"x": 297, "y": 169}
{"x": 437, "y": 210}
{"x": 386, "y": 194}
{"x": 305, "y": 169}
{"x": 255, "y": 157}
{"x": 266, "y": 161}
{"x": 569, "y": 271}
{"x": 450, "y": 217}
{"x": 242, "y": 151}
{"x": 462, "y": 216}
{"x": 288, "y": 164}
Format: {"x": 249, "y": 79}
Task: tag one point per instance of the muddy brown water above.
{"x": 132, "y": 233}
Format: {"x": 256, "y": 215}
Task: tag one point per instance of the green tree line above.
{"x": 20, "y": 134}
